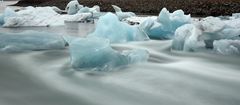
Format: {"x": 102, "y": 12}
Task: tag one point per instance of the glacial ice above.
{"x": 39, "y": 16}
{"x": 73, "y": 7}
{"x": 30, "y": 41}
{"x": 166, "y": 24}
{"x": 97, "y": 54}
{"x": 227, "y": 47}
{"x": 43, "y": 16}
{"x": 122, "y": 15}
{"x": 94, "y": 9}
{"x": 111, "y": 28}
{"x": 8, "y": 12}
{"x": 206, "y": 35}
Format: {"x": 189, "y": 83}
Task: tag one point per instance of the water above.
{"x": 169, "y": 78}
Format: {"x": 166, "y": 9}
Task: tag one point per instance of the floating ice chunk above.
{"x": 97, "y": 54}
{"x": 8, "y": 12}
{"x": 122, "y": 15}
{"x": 111, "y": 28}
{"x": 181, "y": 35}
{"x": 187, "y": 38}
{"x": 227, "y": 47}
{"x": 201, "y": 35}
{"x": 166, "y": 24}
{"x": 30, "y": 41}
{"x": 73, "y": 7}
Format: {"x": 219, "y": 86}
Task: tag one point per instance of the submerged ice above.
{"x": 111, "y": 28}
{"x": 97, "y": 54}
{"x": 165, "y": 25}
{"x": 30, "y": 41}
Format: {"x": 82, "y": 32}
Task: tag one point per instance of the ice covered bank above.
{"x": 211, "y": 34}
{"x": 165, "y": 25}
{"x": 30, "y": 41}
{"x": 97, "y": 54}
{"x": 110, "y": 27}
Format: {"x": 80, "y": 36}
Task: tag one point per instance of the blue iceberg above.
{"x": 111, "y": 28}
{"x": 30, "y": 41}
{"x": 165, "y": 25}
{"x": 8, "y": 12}
{"x": 97, "y": 54}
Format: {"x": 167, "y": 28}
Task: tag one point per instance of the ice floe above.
{"x": 166, "y": 24}
{"x": 97, "y": 54}
{"x": 30, "y": 41}
{"x": 111, "y": 28}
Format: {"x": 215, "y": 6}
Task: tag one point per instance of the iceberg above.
{"x": 97, "y": 54}
{"x": 165, "y": 25}
{"x": 227, "y": 47}
{"x": 30, "y": 41}
{"x": 201, "y": 35}
{"x": 111, "y": 28}
{"x": 73, "y": 7}
{"x": 8, "y": 12}
{"x": 122, "y": 15}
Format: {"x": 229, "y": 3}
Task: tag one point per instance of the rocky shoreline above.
{"x": 152, "y": 7}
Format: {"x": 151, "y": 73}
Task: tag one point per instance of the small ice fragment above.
{"x": 111, "y": 28}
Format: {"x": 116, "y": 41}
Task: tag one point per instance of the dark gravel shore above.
{"x": 193, "y": 7}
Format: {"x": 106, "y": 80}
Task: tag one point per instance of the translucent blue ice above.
{"x": 73, "y": 7}
{"x": 166, "y": 24}
{"x": 30, "y": 41}
{"x": 8, "y": 12}
{"x": 97, "y": 54}
{"x": 111, "y": 28}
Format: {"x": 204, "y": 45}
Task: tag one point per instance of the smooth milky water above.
{"x": 169, "y": 78}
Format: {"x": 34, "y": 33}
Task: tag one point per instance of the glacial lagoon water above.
{"x": 168, "y": 78}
